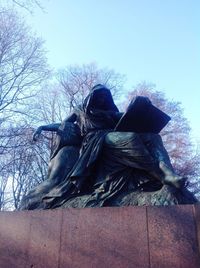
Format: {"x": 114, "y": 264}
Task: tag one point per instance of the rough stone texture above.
{"x": 106, "y": 237}
{"x": 14, "y": 239}
{"x": 44, "y": 245}
{"x": 172, "y": 237}
{"x": 166, "y": 196}
{"x": 101, "y": 237}
{"x": 197, "y": 219}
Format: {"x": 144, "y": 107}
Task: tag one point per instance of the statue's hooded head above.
{"x": 99, "y": 98}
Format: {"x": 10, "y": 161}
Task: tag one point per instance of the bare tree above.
{"x": 77, "y": 81}
{"x": 24, "y": 166}
{"x": 22, "y": 64}
{"x": 28, "y": 5}
{"x": 23, "y": 68}
{"x": 3, "y": 185}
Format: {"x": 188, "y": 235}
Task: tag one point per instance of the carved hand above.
{"x": 37, "y": 133}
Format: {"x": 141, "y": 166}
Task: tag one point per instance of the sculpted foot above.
{"x": 170, "y": 177}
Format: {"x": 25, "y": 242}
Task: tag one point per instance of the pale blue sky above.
{"x": 153, "y": 40}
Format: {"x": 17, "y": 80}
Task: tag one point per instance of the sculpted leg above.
{"x": 156, "y": 148}
{"x": 142, "y": 151}
{"x": 170, "y": 177}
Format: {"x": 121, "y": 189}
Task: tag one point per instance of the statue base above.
{"x": 101, "y": 237}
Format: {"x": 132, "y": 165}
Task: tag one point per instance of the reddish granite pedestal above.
{"x": 101, "y": 237}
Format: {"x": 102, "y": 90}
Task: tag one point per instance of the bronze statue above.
{"x": 63, "y": 158}
{"x": 110, "y": 165}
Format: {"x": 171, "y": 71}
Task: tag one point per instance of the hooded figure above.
{"x": 96, "y": 118}
{"x": 111, "y": 162}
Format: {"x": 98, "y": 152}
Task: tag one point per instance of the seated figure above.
{"x": 109, "y": 162}
{"x": 109, "y": 159}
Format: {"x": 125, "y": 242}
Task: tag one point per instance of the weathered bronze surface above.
{"x": 99, "y": 162}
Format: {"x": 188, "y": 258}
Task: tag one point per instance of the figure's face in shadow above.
{"x": 101, "y": 99}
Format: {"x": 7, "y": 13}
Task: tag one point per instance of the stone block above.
{"x": 172, "y": 237}
{"x": 104, "y": 237}
{"x": 125, "y": 237}
{"x": 14, "y": 239}
{"x": 45, "y": 233}
{"x": 197, "y": 221}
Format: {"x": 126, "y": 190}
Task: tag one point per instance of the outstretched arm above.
{"x": 52, "y": 127}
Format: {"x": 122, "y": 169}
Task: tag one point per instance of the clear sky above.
{"x": 153, "y": 40}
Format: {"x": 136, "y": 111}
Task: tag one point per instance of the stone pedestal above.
{"x": 101, "y": 237}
